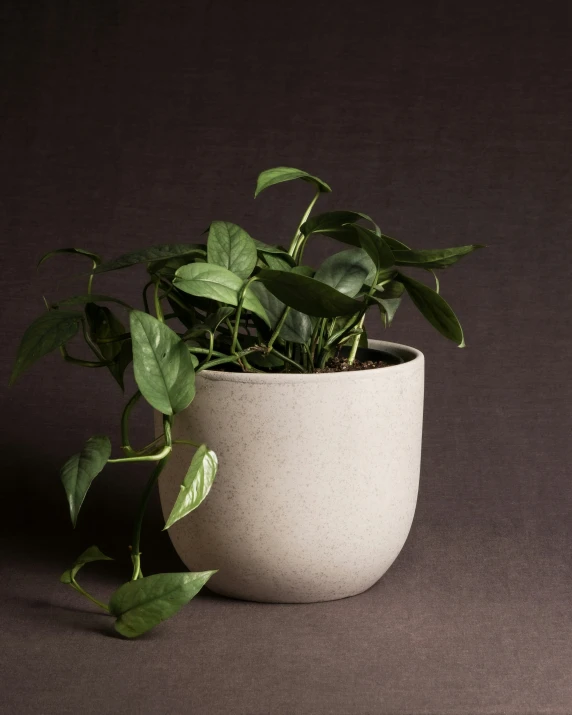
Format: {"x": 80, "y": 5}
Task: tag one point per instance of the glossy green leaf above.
{"x": 376, "y": 248}
{"x": 162, "y": 364}
{"x": 79, "y": 471}
{"x": 89, "y": 555}
{"x": 196, "y": 484}
{"x": 308, "y": 295}
{"x": 142, "y": 604}
{"x": 434, "y": 308}
{"x": 284, "y": 173}
{"x": 231, "y": 247}
{"x": 90, "y": 298}
{"x": 277, "y": 250}
{"x": 437, "y": 258}
{"x": 297, "y": 327}
{"x": 147, "y": 255}
{"x": 277, "y": 263}
{"x": 217, "y": 283}
{"x": 346, "y": 271}
{"x": 304, "y": 271}
{"x": 388, "y": 307}
{"x": 48, "y": 332}
{"x": 96, "y": 260}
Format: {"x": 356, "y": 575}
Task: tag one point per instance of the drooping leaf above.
{"x": 90, "y": 298}
{"x": 308, "y": 295}
{"x": 217, "y": 283}
{"x": 346, "y": 271}
{"x": 142, "y": 604}
{"x": 89, "y": 555}
{"x": 81, "y": 469}
{"x": 162, "y": 364}
{"x": 48, "y": 332}
{"x": 376, "y": 248}
{"x": 147, "y": 255}
{"x": 297, "y": 327}
{"x": 96, "y": 260}
{"x": 434, "y": 308}
{"x": 437, "y": 258}
{"x": 388, "y": 307}
{"x": 196, "y": 484}
{"x": 285, "y": 173}
{"x": 231, "y": 247}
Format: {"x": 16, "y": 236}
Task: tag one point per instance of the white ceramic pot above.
{"x": 317, "y": 482}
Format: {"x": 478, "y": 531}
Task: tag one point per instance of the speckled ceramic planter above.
{"x": 317, "y": 482}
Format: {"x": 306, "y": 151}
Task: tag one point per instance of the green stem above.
{"x": 288, "y": 360}
{"x": 83, "y": 592}
{"x": 295, "y": 241}
{"x": 125, "y": 443}
{"x": 144, "y": 458}
{"x": 278, "y": 328}
{"x": 241, "y": 297}
{"x": 355, "y": 343}
{"x": 228, "y": 358}
{"x": 148, "y": 490}
{"x": 186, "y": 441}
{"x": 157, "y": 300}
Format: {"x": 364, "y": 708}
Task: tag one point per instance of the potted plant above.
{"x": 316, "y": 428}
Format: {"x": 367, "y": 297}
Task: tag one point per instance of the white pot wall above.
{"x": 317, "y": 482}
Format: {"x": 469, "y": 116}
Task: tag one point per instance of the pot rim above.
{"x": 412, "y": 357}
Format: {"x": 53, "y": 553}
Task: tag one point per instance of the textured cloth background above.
{"x": 133, "y": 124}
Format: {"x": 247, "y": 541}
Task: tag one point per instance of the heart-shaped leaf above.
{"x": 231, "y": 247}
{"x": 433, "y": 307}
{"x": 376, "y": 248}
{"x": 285, "y": 173}
{"x": 217, "y": 283}
{"x": 308, "y": 295}
{"x": 162, "y": 364}
{"x": 297, "y": 327}
{"x": 48, "y": 332}
{"x": 196, "y": 484}
{"x": 89, "y": 555}
{"x": 437, "y": 258}
{"x": 79, "y": 471}
{"x": 142, "y": 604}
{"x": 147, "y": 255}
{"x": 346, "y": 271}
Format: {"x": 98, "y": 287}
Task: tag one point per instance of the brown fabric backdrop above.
{"x": 131, "y": 124}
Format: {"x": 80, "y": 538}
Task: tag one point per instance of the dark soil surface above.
{"x": 342, "y": 365}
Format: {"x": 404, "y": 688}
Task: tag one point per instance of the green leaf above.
{"x": 104, "y": 325}
{"x": 196, "y": 484}
{"x": 284, "y": 173}
{"x": 142, "y": 604}
{"x": 376, "y": 248}
{"x": 434, "y": 308}
{"x": 79, "y": 471}
{"x": 147, "y": 255}
{"x": 437, "y": 258}
{"x": 231, "y": 247}
{"x": 308, "y": 295}
{"x": 297, "y": 327}
{"x": 89, "y": 555}
{"x": 304, "y": 271}
{"x": 278, "y": 250}
{"x": 388, "y": 307}
{"x": 266, "y": 361}
{"x": 346, "y": 271}
{"x": 91, "y": 298}
{"x": 48, "y": 332}
{"x": 77, "y": 251}
{"x": 277, "y": 263}
{"x": 217, "y": 283}
{"x": 162, "y": 364}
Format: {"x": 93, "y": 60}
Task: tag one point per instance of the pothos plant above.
{"x": 230, "y": 302}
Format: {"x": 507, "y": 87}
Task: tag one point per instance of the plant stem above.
{"x": 186, "y": 441}
{"x": 278, "y": 327}
{"x": 288, "y": 360}
{"x": 83, "y": 592}
{"x": 136, "y": 543}
{"x": 228, "y": 358}
{"x": 144, "y": 458}
{"x": 125, "y": 444}
{"x": 355, "y": 343}
{"x": 241, "y": 297}
{"x": 158, "y": 309}
{"x": 295, "y": 240}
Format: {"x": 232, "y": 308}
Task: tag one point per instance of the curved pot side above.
{"x": 317, "y": 483}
